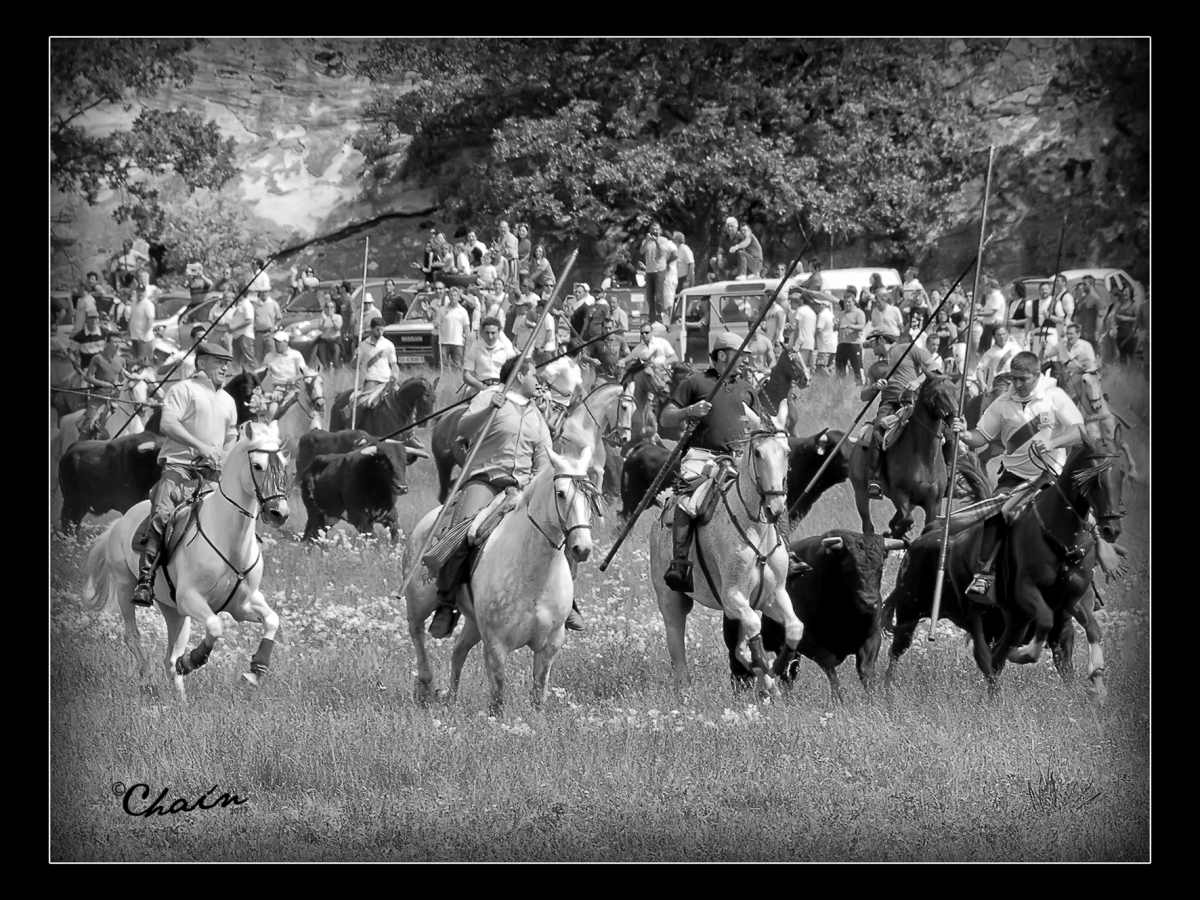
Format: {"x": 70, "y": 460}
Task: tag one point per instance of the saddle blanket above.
{"x": 475, "y": 530}
{"x": 368, "y": 400}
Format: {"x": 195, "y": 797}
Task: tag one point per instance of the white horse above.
{"x": 520, "y": 589}
{"x": 607, "y": 412}
{"x": 299, "y": 414}
{"x": 215, "y": 562}
{"x": 744, "y": 551}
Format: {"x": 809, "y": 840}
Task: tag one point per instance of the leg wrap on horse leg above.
{"x": 189, "y": 662}
{"x": 757, "y": 655}
{"x": 261, "y": 660}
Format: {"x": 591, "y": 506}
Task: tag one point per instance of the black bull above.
{"x": 99, "y": 476}
{"x": 807, "y": 454}
{"x": 343, "y": 477}
{"x": 837, "y": 599}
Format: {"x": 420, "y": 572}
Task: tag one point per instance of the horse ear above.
{"x": 780, "y": 419}
{"x": 248, "y": 430}
{"x": 751, "y": 416}
{"x": 435, "y": 382}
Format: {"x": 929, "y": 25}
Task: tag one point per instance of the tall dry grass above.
{"x": 336, "y": 762}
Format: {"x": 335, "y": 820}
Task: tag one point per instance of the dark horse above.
{"x": 398, "y": 406}
{"x": 1044, "y": 579}
{"x": 788, "y": 372}
{"x": 241, "y": 387}
{"x": 653, "y": 385}
{"x": 914, "y": 471}
{"x": 447, "y": 453}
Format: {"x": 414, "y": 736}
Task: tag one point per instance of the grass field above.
{"x": 334, "y": 762}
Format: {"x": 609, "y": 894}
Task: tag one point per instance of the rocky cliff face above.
{"x": 293, "y": 108}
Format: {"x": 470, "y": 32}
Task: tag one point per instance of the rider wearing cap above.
{"x": 511, "y": 453}
{"x": 721, "y": 424}
{"x": 288, "y": 369}
{"x": 907, "y": 375}
{"x": 199, "y": 424}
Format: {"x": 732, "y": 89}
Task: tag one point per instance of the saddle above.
{"x": 366, "y": 400}
{"x": 176, "y": 527}
{"x": 474, "y": 530}
{"x": 891, "y": 427}
{"x": 725, "y": 474}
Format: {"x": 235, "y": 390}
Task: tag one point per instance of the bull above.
{"x": 99, "y": 476}
{"x": 837, "y": 598}
{"x": 359, "y": 485}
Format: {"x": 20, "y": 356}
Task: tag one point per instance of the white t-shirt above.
{"x": 381, "y": 369}
{"x": 806, "y": 328}
{"x": 1046, "y": 414}
{"x": 141, "y": 320}
{"x": 1081, "y": 357}
{"x": 453, "y": 323}
{"x": 686, "y": 260}
{"x": 204, "y": 412}
{"x": 994, "y": 308}
{"x": 287, "y": 367}
{"x": 826, "y": 341}
{"x": 484, "y": 362}
{"x": 657, "y": 351}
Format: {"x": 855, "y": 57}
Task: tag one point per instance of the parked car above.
{"x": 416, "y": 337}
{"x": 709, "y": 309}
{"x": 176, "y": 313}
{"x": 302, "y": 315}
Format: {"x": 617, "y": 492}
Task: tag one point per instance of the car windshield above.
{"x": 169, "y": 306}
{"x": 422, "y": 309}
{"x": 198, "y": 313}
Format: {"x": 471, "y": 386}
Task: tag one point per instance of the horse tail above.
{"x": 100, "y": 588}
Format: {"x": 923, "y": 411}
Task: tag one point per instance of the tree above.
{"x": 587, "y": 139}
{"x": 88, "y": 74}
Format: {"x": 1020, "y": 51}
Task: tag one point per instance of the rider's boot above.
{"x": 574, "y": 619}
{"x": 679, "y": 574}
{"x": 874, "y": 489}
{"x": 980, "y": 588}
{"x": 143, "y": 594}
{"x": 446, "y": 616}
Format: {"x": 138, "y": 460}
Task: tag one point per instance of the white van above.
{"x": 709, "y": 309}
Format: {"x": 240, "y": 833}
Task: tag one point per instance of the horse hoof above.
{"x": 442, "y": 695}
{"x": 1023, "y": 656}
{"x": 251, "y": 678}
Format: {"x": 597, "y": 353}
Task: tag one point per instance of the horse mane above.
{"x": 635, "y": 368}
{"x": 1078, "y": 472}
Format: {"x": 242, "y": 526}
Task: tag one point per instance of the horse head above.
{"x": 1096, "y": 472}
{"x": 421, "y": 393}
{"x": 575, "y": 501}
{"x": 765, "y": 461}
{"x": 266, "y": 470}
{"x": 791, "y": 366}
{"x": 938, "y": 396}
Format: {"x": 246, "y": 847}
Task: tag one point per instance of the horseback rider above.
{"x": 513, "y": 451}
{"x": 199, "y": 424}
{"x": 721, "y": 424}
{"x": 563, "y": 377}
{"x": 378, "y": 356}
{"x": 104, "y": 372}
{"x": 1032, "y": 413}
{"x": 906, "y": 377}
{"x": 481, "y": 368}
{"x": 288, "y": 369}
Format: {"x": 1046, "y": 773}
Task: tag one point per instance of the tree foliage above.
{"x": 588, "y": 138}
{"x": 206, "y": 226}
{"x": 89, "y": 74}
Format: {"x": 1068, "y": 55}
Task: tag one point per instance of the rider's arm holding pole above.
{"x": 673, "y": 415}
{"x": 90, "y": 378}
{"x": 175, "y": 407}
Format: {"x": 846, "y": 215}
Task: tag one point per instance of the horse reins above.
{"x": 589, "y": 492}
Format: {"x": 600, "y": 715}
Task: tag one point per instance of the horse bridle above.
{"x": 582, "y": 483}
{"x": 1092, "y": 475}
{"x": 274, "y": 464}
{"x": 763, "y": 495}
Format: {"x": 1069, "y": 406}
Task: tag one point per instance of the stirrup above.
{"x": 678, "y": 576}
{"x": 143, "y": 594}
{"x": 444, "y": 621}
{"x": 875, "y": 490}
{"x": 981, "y": 584}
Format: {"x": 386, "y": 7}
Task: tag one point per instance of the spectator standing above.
{"x": 615, "y": 310}
{"x": 944, "y": 334}
{"x": 87, "y": 341}
{"x": 581, "y": 295}
{"x": 992, "y": 311}
{"x": 997, "y": 359}
{"x": 328, "y": 346}
{"x": 198, "y": 284}
{"x": 670, "y": 280}
{"x": 100, "y": 293}
{"x": 826, "y": 342}
{"x": 805, "y": 318}
{"x": 1089, "y": 311}
{"x": 475, "y": 247}
{"x": 241, "y": 331}
{"x": 141, "y": 326}
{"x": 1121, "y": 325}
{"x": 128, "y": 262}
{"x": 1043, "y": 336}
{"x": 851, "y": 323}
{"x": 685, "y": 262}
{"x": 262, "y": 281}
{"x": 219, "y": 319}
{"x": 303, "y": 281}
{"x": 486, "y": 273}
{"x": 267, "y": 315}
{"x": 227, "y": 282}
{"x": 524, "y": 251}
{"x": 774, "y": 326}
{"x": 394, "y": 306}
{"x": 85, "y": 304}
{"x": 508, "y": 251}
{"x": 541, "y": 275}
{"x": 453, "y": 324}
{"x": 656, "y": 256}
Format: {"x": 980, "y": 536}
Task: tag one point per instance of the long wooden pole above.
{"x": 962, "y": 399}
{"x": 466, "y": 465}
{"x": 832, "y": 455}
{"x": 686, "y": 437}
{"x": 362, "y": 303}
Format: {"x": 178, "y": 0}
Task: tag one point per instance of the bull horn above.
{"x": 417, "y": 452}
{"x": 368, "y": 451}
{"x": 831, "y": 543}
{"x": 890, "y": 545}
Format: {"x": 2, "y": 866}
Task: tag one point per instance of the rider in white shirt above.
{"x": 652, "y": 348}
{"x": 378, "y": 356}
{"x": 287, "y": 368}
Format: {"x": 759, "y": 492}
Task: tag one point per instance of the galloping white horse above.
{"x": 215, "y": 564}
{"x": 743, "y": 550}
{"x": 300, "y": 414}
{"x": 606, "y": 412}
{"x": 129, "y": 411}
{"x": 520, "y": 589}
